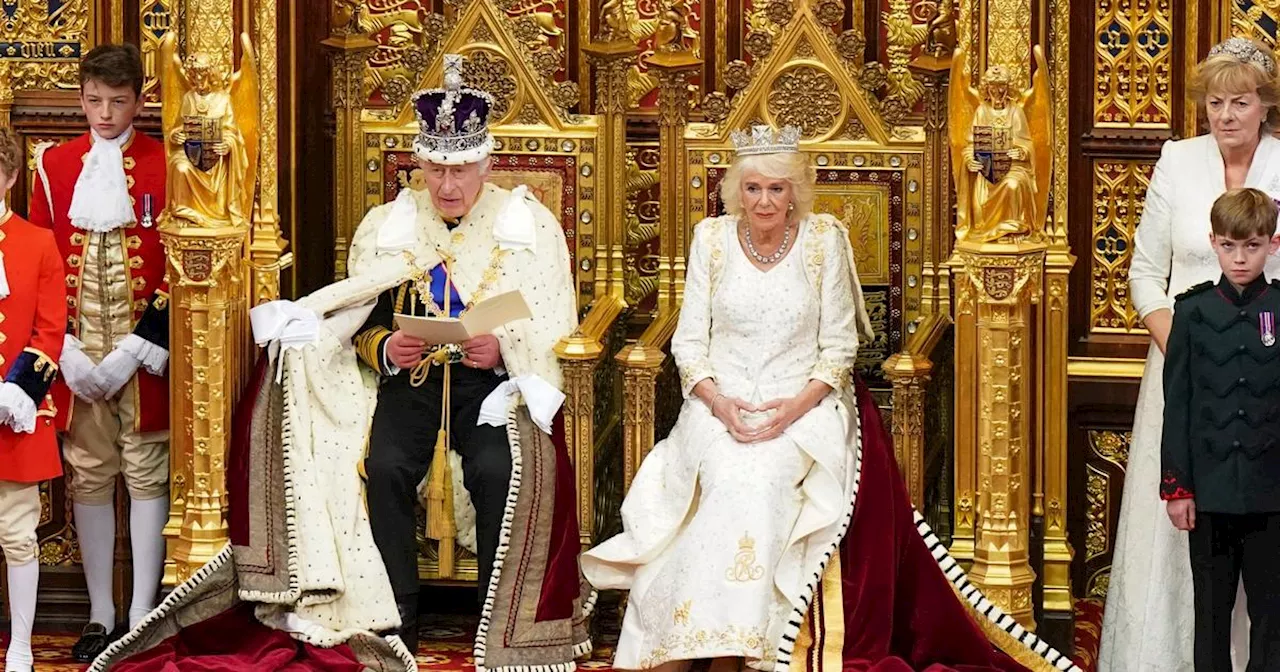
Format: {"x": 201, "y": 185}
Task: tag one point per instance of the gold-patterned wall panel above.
{"x": 401, "y": 28}
{"x": 1133, "y": 63}
{"x": 1009, "y": 37}
{"x": 642, "y": 213}
{"x": 1119, "y": 189}
{"x": 1256, "y": 19}
{"x": 155, "y": 18}
{"x": 1105, "y": 464}
{"x": 45, "y": 40}
{"x": 648, "y": 29}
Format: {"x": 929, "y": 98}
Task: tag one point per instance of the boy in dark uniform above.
{"x": 1220, "y": 454}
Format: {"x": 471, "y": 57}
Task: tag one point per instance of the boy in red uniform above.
{"x": 33, "y": 308}
{"x": 101, "y": 194}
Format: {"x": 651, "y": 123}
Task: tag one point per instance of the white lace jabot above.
{"x": 100, "y": 201}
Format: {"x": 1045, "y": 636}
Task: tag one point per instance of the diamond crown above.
{"x": 1245, "y": 51}
{"x": 762, "y": 139}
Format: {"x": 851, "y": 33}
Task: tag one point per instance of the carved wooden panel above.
{"x": 43, "y": 41}
{"x": 1256, "y": 19}
{"x": 642, "y": 215}
{"x": 1133, "y": 63}
{"x": 1132, "y": 55}
{"x": 1101, "y": 436}
{"x": 1119, "y": 188}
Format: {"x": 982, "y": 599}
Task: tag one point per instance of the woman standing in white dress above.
{"x": 1149, "y": 614}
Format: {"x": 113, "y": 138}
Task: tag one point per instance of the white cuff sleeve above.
{"x": 17, "y": 409}
{"x": 542, "y": 399}
{"x": 152, "y": 357}
{"x": 286, "y": 322}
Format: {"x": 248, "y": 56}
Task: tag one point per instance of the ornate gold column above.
{"x": 1002, "y": 164}
{"x": 613, "y": 57}
{"x": 1005, "y": 276}
{"x": 580, "y": 355}
{"x": 6, "y": 94}
{"x": 964, "y": 532}
{"x": 911, "y": 369}
{"x": 267, "y": 245}
{"x": 910, "y": 376}
{"x": 641, "y": 362}
{"x": 672, "y": 65}
{"x": 205, "y": 228}
{"x": 1054, "y": 334}
{"x": 350, "y": 50}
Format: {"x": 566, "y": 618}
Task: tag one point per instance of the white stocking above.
{"x": 23, "y": 583}
{"x": 147, "y": 518}
{"x": 96, "y": 530}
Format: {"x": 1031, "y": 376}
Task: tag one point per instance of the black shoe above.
{"x": 94, "y": 639}
{"x": 408, "y": 607}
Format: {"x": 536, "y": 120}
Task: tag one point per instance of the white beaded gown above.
{"x": 721, "y": 537}
{"x": 1149, "y": 615}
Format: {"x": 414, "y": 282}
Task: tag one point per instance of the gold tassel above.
{"x": 441, "y": 524}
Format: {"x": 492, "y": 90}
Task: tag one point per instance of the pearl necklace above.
{"x": 776, "y": 256}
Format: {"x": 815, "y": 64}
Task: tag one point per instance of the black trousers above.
{"x": 401, "y": 443}
{"x": 1224, "y": 547}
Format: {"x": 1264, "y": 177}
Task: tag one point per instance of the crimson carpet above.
{"x": 446, "y": 645}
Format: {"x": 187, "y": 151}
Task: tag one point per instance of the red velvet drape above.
{"x": 901, "y": 614}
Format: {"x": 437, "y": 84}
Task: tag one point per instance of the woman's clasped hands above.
{"x": 777, "y": 416}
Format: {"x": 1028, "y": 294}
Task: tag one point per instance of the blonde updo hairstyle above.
{"x": 794, "y": 167}
{"x": 1230, "y": 74}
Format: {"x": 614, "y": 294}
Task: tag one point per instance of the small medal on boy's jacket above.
{"x": 147, "y": 221}
{"x": 1267, "y": 325}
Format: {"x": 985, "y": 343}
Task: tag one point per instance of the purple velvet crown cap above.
{"x": 466, "y": 102}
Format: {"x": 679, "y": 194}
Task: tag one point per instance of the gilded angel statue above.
{"x": 1001, "y": 151}
{"x": 211, "y": 132}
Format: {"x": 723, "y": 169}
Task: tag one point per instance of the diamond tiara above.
{"x": 762, "y": 139}
{"x": 1245, "y": 51}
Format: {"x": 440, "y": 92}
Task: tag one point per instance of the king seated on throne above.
{"x": 344, "y": 395}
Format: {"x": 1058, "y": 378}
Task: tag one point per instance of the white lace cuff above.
{"x": 152, "y": 357}
{"x": 18, "y": 409}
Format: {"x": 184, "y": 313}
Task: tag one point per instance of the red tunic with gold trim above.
{"x": 32, "y": 322}
{"x": 144, "y": 256}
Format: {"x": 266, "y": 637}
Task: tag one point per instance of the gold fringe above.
{"x": 1002, "y": 640}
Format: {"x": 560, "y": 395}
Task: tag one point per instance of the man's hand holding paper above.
{"x": 481, "y": 319}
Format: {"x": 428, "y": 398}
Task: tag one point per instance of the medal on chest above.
{"x": 1267, "y": 327}
{"x": 147, "y": 221}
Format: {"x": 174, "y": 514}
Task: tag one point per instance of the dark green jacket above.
{"x": 1221, "y": 441}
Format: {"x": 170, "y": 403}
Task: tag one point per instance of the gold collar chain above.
{"x": 421, "y": 279}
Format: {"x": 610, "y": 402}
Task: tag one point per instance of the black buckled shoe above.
{"x": 408, "y": 608}
{"x": 94, "y": 639}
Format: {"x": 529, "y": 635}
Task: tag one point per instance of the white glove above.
{"x": 115, "y": 371}
{"x": 78, "y": 370}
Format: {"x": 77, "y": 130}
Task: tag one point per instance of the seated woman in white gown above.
{"x": 733, "y": 518}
